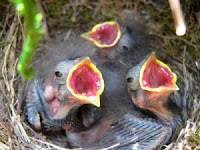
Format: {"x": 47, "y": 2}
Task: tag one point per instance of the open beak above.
{"x": 104, "y": 35}
{"x": 85, "y": 82}
{"x": 157, "y": 77}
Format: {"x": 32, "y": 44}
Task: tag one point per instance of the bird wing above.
{"x": 133, "y": 133}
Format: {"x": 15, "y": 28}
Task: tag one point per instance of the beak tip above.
{"x": 96, "y": 101}
{"x": 84, "y": 35}
{"x": 98, "y": 105}
{"x": 177, "y": 88}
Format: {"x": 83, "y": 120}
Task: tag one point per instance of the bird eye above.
{"x": 132, "y": 83}
{"x": 125, "y": 48}
{"x": 61, "y": 71}
{"x": 129, "y": 80}
{"x": 60, "y": 77}
{"x": 58, "y": 74}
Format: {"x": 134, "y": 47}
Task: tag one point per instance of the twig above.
{"x": 17, "y": 124}
{"x": 4, "y": 68}
{"x": 178, "y": 17}
{"x": 179, "y": 38}
{"x": 52, "y": 145}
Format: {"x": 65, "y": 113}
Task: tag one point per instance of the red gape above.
{"x": 105, "y": 34}
{"x": 156, "y": 76}
{"x": 85, "y": 81}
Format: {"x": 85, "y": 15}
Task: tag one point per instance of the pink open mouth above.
{"x": 156, "y": 76}
{"x": 105, "y": 34}
{"x": 85, "y": 81}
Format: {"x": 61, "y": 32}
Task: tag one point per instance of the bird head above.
{"x": 75, "y": 82}
{"x": 150, "y": 83}
{"x": 110, "y": 38}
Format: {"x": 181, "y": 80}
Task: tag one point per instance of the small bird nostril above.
{"x": 129, "y": 80}
{"x": 58, "y": 74}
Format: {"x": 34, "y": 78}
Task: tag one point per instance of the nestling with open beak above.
{"x": 75, "y": 82}
{"x": 150, "y": 84}
{"x": 111, "y": 40}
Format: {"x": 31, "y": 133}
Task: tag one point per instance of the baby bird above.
{"x": 150, "y": 84}
{"x": 74, "y": 82}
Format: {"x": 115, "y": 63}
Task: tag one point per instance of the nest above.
{"x": 180, "y": 52}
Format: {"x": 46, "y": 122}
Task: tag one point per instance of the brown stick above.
{"x": 178, "y": 17}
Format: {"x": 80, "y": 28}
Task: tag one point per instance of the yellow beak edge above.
{"x": 153, "y": 58}
{"x": 98, "y": 43}
{"x": 94, "y": 99}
